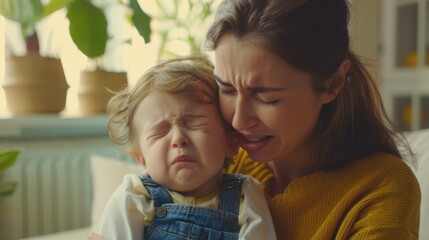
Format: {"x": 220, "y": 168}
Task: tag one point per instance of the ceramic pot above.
{"x": 97, "y": 87}
{"x": 34, "y": 84}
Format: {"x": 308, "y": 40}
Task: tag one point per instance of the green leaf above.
{"x": 55, "y": 5}
{"x": 6, "y": 189}
{"x": 88, "y": 28}
{"x": 7, "y": 159}
{"x": 22, "y": 11}
{"x": 141, "y": 20}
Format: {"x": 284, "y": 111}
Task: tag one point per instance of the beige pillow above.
{"x": 107, "y": 174}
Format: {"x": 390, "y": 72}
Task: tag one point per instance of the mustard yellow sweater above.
{"x": 374, "y": 198}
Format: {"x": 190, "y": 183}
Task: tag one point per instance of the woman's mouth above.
{"x": 252, "y": 143}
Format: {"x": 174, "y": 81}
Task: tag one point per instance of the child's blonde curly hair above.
{"x": 190, "y": 77}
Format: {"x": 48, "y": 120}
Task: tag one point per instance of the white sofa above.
{"x": 419, "y": 141}
{"x": 107, "y": 175}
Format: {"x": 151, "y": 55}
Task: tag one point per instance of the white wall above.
{"x": 365, "y": 28}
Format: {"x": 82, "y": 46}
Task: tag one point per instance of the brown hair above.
{"x": 189, "y": 77}
{"x": 312, "y": 35}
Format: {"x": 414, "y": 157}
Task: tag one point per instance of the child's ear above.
{"x": 138, "y": 156}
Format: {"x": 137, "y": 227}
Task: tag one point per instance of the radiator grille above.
{"x": 54, "y": 191}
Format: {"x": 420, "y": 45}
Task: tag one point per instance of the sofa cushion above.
{"x": 419, "y": 142}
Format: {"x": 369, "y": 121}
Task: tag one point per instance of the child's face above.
{"x": 182, "y": 143}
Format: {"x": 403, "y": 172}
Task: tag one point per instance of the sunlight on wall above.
{"x": 2, "y": 97}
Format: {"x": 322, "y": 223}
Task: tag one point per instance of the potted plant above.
{"x": 28, "y": 93}
{"x": 89, "y": 31}
{"x": 184, "y": 25}
{"x": 7, "y": 159}
{"x": 33, "y": 83}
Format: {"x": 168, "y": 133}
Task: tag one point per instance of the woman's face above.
{"x": 272, "y": 105}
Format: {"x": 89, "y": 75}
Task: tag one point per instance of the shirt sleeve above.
{"x": 255, "y": 217}
{"x": 127, "y": 210}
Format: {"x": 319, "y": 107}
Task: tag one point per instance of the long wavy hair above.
{"x": 312, "y": 35}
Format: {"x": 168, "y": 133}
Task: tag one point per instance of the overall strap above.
{"x": 159, "y": 193}
{"x": 230, "y": 193}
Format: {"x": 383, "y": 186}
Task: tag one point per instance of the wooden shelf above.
{"x": 405, "y": 69}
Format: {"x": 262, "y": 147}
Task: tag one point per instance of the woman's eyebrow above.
{"x": 256, "y": 89}
{"x": 221, "y": 82}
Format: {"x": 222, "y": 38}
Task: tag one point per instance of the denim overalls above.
{"x": 177, "y": 221}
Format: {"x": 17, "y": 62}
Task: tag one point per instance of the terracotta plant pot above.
{"x": 34, "y": 84}
{"x": 97, "y": 87}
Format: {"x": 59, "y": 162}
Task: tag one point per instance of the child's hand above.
{"x": 94, "y": 236}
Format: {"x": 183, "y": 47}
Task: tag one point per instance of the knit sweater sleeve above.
{"x": 390, "y": 211}
{"x": 374, "y": 198}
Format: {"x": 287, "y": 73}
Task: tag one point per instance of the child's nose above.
{"x": 179, "y": 139}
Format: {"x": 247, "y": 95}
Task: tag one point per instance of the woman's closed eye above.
{"x": 267, "y": 102}
{"x": 225, "y": 88}
{"x": 225, "y": 91}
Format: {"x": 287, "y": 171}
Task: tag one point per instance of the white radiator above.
{"x": 54, "y": 185}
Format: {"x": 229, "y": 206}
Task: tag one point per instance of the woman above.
{"x": 310, "y": 121}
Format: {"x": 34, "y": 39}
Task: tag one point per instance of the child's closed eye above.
{"x": 155, "y": 134}
{"x": 195, "y": 124}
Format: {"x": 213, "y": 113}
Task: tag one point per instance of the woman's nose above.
{"x": 179, "y": 139}
{"x": 244, "y": 115}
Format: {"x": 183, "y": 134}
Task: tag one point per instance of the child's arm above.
{"x": 125, "y": 213}
{"x": 254, "y": 214}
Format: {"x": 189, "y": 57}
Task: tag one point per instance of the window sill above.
{"x": 52, "y": 126}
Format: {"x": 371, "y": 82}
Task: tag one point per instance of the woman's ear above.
{"x": 138, "y": 156}
{"x": 336, "y": 82}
